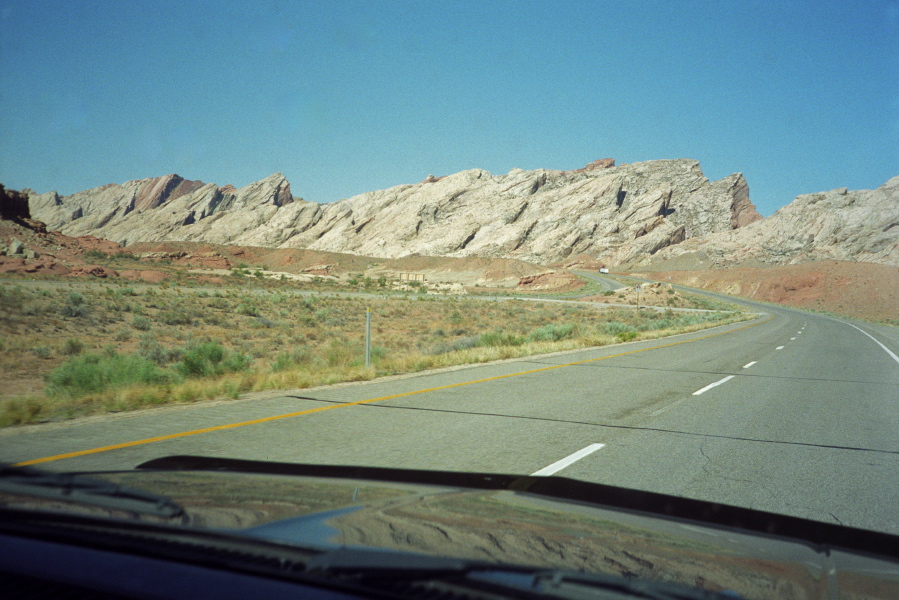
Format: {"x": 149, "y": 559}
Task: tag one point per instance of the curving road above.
{"x": 793, "y": 413}
{"x": 606, "y": 284}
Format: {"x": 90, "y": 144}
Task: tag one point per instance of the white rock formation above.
{"x": 860, "y": 225}
{"x": 616, "y": 214}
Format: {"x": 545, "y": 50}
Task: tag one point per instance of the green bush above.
{"x": 72, "y": 347}
{"x": 500, "y": 338}
{"x": 178, "y": 316}
{"x": 152, "y": 350}
{"x": 551, "y": 333}
{"x": 282, "y": 362}
{"x": 247, "y": 309}
{"x": 42, "y": 352}
{"x": 92, "y": 373}
{"x": 141, "y": 323}
{"x": 75, "y": 306}
{"x": 210, "y": 358}
{"x": 616, "y": 327}
{"x": 286, "y": 360}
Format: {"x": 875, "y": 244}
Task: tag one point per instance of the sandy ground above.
{"x": 865, "y": 290}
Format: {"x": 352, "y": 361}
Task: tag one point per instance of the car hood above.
{"x": 542, "y": 522}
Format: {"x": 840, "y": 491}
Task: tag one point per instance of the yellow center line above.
{"x": 172, "y": 436}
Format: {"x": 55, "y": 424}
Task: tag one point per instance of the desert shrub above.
{"x": 250, "y": 310}
{"x": 218, "y": 302}
{"x": 551, "y": 333}
{"x": 210, "y": 358}
{"x": 75, "y": 306}
{"x": 20, "y": 410}
{"x": 626, "y": 336}
{"x": 98, "y": 254}
{"x": 616, "y": 327}
{"x": 282, "y": 362}
{"x": 92, "y": 373}
{"x": 500, "y": 338}
{"x": 42, "y": 352}
{"x": 264, "y": 322}
{"x": 72, "y": 346}
{"x": 141, "y": 323}
{"x": 178, "y": 316}
{"x": 287, "y": 360}
{"x": 152, "y": 350}
{"x": 33, "y": 308}
{"x": 456, "y": 345}
{"x": 340, "y": 353}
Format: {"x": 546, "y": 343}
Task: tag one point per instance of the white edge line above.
{"x": 568, "y": 460}
{"x": 711, "y": 385}
{"x": 747, "y": 365}
{"x": 885, "y": 349}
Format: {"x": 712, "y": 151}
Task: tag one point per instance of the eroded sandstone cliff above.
{"x": 840, "y": 224}
{"x": 615, "y": 213}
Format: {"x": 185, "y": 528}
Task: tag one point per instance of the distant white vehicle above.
{"x": 603, "y": 270}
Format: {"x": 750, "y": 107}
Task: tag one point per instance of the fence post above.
{"x": 367, "y": 337}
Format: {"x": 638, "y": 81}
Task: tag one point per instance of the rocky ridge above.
{"x": 159, "y": 208}
{"x": 615, "y": 213}
{"x": 840, "y": 224}
{"x": 660, "y": 214}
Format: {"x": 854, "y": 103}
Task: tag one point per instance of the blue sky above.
{"x": 348, "y": 97}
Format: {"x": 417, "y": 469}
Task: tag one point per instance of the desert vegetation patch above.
{"x": 76, "y": 348}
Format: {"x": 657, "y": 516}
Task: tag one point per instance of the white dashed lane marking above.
{"x": 711, "y": 385}
{"x": 568, "y": 460}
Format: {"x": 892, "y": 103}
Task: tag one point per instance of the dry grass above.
{"x": 289, "y": 340}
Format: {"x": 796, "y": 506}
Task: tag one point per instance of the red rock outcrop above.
{"x": 158, "y": 190}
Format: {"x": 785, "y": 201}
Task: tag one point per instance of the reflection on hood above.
{"x": 510, "y": 527}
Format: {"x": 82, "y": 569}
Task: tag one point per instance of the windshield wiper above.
{"x": 400, "y": 573}
{"x": 87, "y": 491}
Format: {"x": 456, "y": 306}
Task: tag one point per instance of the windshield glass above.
{"x": 649, "y": 245}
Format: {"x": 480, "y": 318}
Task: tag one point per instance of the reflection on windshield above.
{"x": 503, "y": 527}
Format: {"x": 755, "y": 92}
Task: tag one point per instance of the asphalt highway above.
{"x": 792, "y": 413}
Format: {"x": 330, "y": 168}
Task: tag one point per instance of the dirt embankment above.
{"x": 865, "y": 290}
{"x": 28, "y": 248}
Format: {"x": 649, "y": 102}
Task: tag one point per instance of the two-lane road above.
{"x": 793, "y": 413}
